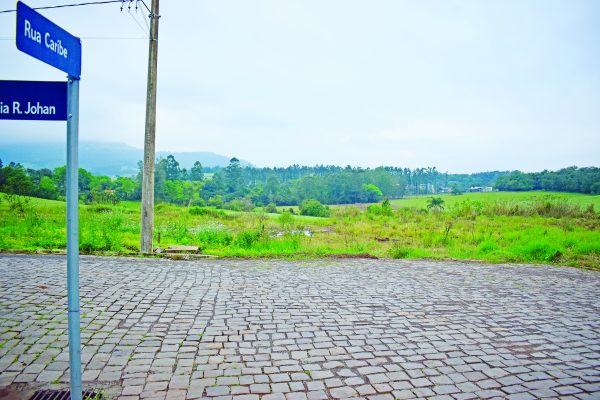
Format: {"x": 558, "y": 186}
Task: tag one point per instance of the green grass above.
{"x": 503, "y": 197}
{"x": 490, "y": 227}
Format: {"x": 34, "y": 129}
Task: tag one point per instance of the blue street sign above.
{"x": 43, "y": 39}
{"x": 28, "y": 100}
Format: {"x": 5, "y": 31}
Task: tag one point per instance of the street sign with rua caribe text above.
{"x": 42, "y": 39}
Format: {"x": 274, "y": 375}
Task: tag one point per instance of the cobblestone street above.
{"x": 332, "y": 329}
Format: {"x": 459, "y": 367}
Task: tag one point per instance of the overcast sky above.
{"x": 461, "y": 85}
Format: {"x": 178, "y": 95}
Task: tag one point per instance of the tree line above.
{"x": 572, "y": 179}
{"x": 243, "y": 188}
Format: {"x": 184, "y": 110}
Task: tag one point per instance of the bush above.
{"x": 271, "y": 208}
{"x": 216, "y": 202}
{"x": 540, "y": 251}
{"x": 286, "y": 219}
{"x": 212, "y": 212}
{"x": 199, "y": 202}
{"x": 100, "y": 208}
{"x": 545, "y": 207}
{"x": 240, "y": 205}
{"x": 467, "y": 209}
{"x": 213, "y": 235}
{"x": 384, "y": 209}
{"x": 314, "y": 208}
{"x": 399, "y": 252}
{"x": 197, "y": 211}
{"x": 18, "y": 204}
{"x": 246, "y": 239}
{"x": 102, "y": 197}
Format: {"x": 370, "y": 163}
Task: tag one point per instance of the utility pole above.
{"x": 147, "y": 214}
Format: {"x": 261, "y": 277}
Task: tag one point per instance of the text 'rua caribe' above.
{"x": 36, "y": 36}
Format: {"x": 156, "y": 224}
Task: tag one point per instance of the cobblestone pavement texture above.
{"x": 373, "y": 329}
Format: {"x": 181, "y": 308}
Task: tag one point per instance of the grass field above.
{"x": 491, "y": 227}
{"x": 504, "y": 197}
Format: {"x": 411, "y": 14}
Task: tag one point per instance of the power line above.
{"x": 144, "y": 19}
{"x": 69, "y": 5}
{"x": 137, "y": 23}
{"x": 146, "y": 31}
{"x": 144, "y": 3}
{"x": 134, "y": 16}
{"x": 94, "y": 38}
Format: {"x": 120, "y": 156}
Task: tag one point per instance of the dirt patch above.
{"x": 361, "y": 255}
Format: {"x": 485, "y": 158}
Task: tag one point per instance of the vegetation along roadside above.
{"x": 532, "y": 227}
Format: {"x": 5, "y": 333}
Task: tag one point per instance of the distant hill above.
{"x": 100, "y": 158}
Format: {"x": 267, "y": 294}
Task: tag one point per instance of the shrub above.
{"x": 246, "y": 239}
{"x": 541, "y": 251}
{"x": 286, "y": 220}
{"x": 199, "y": 202}
{"x": 399, "y": 252}
{"x": 18, "y": 204}
{"x": 240, "y": 205}
{"x": 488, "y": 246}
{"x": 216, "y": 202}
{"x": 271, "y": 208}
{"x": 314, "y": 208}
{"x": 100, "y": 208}
{"x": 102, "y": 197}
{"x": 467, "y": 209}
{"x": 374, "y": 209}
{"x": 206, "y": 211}
{"x": 196, "y": 211}
{"x": 384, "y": 209}
{"x": 212, "y": 235}
{"x": 546, "y": 207}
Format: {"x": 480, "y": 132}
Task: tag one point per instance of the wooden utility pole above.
{"x": 147, "y": 214}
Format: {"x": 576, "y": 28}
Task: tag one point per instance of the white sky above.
{"x": 461, "y": 85}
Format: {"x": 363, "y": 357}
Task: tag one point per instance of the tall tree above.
{"x": 196, "y": 173}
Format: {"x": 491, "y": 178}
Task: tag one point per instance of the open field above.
{"x": 491, "y": 227}
{"x": 504, "y": 197}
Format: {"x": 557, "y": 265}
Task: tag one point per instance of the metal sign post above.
{"x": 73, "y": 237}
{"x": 42, "y": 39}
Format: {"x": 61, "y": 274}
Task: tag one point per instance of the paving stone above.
{"x": 343, "y": 392}
{"x": 296, "y": 396}
{"x": 195, "y": 391}
{"x": 246, "y": 397}
{"x": 378, "y": 378}
{"x": 381, "y": 397}
{"x": 132, "y": 390}
{"x": 47, "y": 376}
{"x": 421, "y": 382}
{"x": 274, "y": 396}
{"x": 305, "y": 329}
{"x": 176, "y": 394}
{"x": 317, "y": 395}
{"x": 280, "y": 387}
{"x": 217, "y": 391}
{"x": 277, "y": 378}
{"x": 364, "y": 390}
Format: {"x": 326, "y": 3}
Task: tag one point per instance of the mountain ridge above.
{"x": 122, "y": 160}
